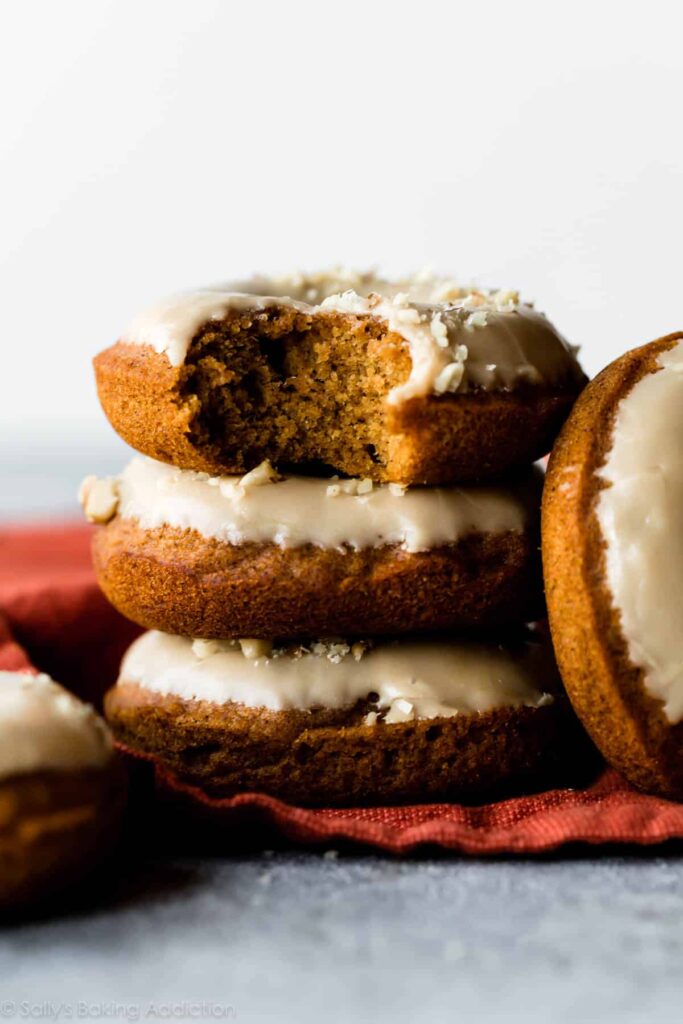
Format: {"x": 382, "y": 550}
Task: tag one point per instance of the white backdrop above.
{"x": 149, "y": 145}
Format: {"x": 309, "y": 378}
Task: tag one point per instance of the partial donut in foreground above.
{"x": 62, "y": 791}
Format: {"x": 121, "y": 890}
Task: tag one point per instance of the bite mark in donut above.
{"x": 422, "y": 386}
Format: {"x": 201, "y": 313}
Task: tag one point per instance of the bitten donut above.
{"x": 338, "y": 723}
{"x": 266, "y": 556}
{"x": 416, "y": 381}
{"x": 613, "y": 562}
{"x": 62, "y": 791}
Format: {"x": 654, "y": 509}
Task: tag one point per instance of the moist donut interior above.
{"x": 309, "y": 388}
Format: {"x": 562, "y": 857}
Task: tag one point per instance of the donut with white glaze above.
{"x": 416, "y": 382}
{"x": 613, "y": 562}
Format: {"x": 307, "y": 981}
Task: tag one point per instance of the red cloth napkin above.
{"x": 53, "y": 617}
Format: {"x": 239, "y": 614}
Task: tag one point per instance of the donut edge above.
{"x": 331, "y": 758}
{"x": 433, "y": 440}
{"x": 607, "y": 691}
{"x": 183, "y": 583}
{"x": 57, "y": 830}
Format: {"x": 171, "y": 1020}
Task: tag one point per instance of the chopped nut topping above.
{"x": 254, "y": 649}
{"x": 472, "y": 301}
{"x": 439, "y": 331}
{"x": 370, "y": 718}
{"x": 476, "y": 319}
{"x": 449, "y": 378}
{"x": 99, "y": 499}
{"x": 333, "y": 650}
{"x": 346, "y": 302}
{"x": 353, "y": 486}
{"x": 506, "y": 300}
{"x": 443, "y": 291}
{"x": 408, "y": 315}
{"x": 355, "y": 290}
{"x": 295, "y": 652}
{"x": 260, "y": 475}
{"x": 205, "y": 648}
{"x": 398, "y": 490}
{"x": 401, "y": 710}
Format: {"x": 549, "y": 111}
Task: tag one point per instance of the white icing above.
{"x": 309, "y": 510}
{"x": 45, "y": 728}
{"x": 170, "y": 326}
{"x": 640, "y": 520}
{"x": 457, "y": 337}
{"x": 412, "y": 679}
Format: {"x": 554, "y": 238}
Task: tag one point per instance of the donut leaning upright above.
{"x": 613, "y": 562}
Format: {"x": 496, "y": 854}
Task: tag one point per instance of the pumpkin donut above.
{"x": 416, "y": 382}
{"x": 334, "y": 722}
{"x": 266, "y": 556}
{"x": 613, "y": 562}
{"x": 62, "y": 790}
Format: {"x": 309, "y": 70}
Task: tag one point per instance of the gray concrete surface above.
{"x": 309, "y": 937}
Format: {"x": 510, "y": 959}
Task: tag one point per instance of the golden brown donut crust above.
{"x": 180, "y": 582}
{"x": 276, "y": 389}
{"x": 330, "y": 757}
{"x": 54, "y": 828}
{"x": 606, "y": 689}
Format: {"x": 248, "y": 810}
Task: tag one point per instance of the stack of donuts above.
{"x": 331, "y": 536}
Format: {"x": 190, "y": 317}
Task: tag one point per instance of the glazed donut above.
{"x": 613, "y": 562}
{"x": 62, "y": 790}
{"x": 265, "y": 556}
{"x": 338, "y": 723}
{"x": 416, "y": 382}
